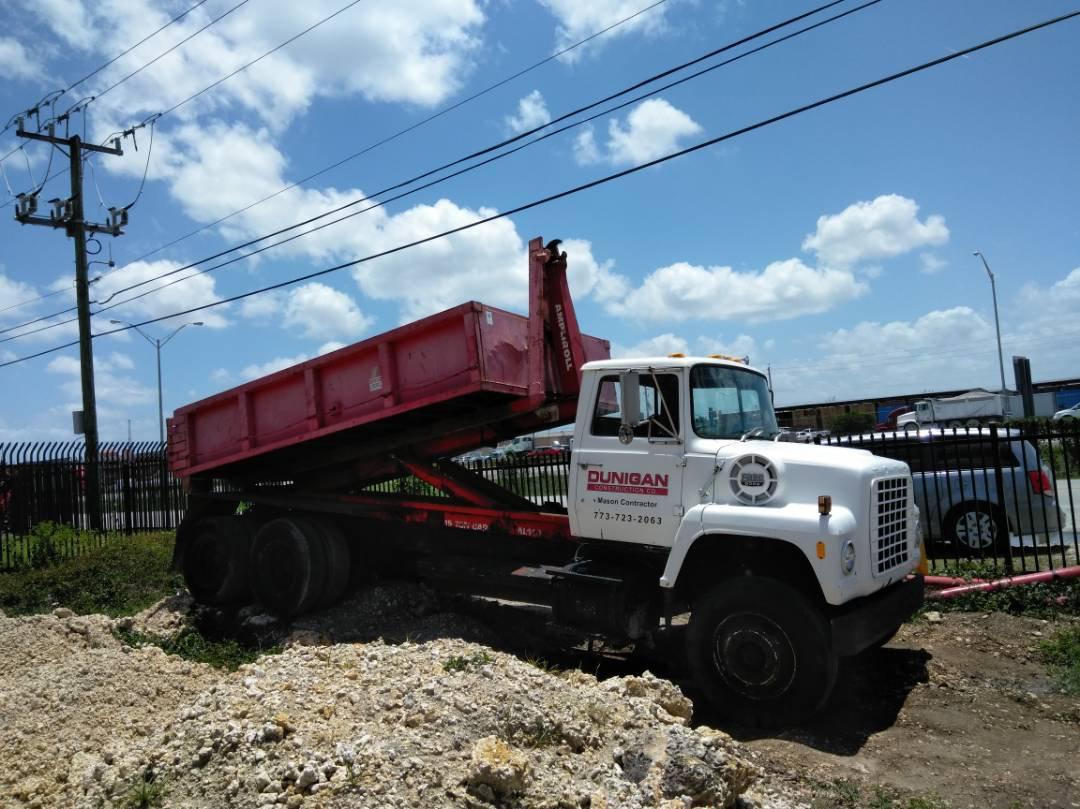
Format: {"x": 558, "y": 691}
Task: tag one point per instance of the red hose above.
{"x": 1010, "y": 581}
{"x": 949, "y": 581}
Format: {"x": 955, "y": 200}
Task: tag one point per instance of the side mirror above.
{"x": 629, "y": 403}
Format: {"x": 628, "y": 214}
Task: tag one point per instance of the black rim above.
{"x": 207, "y": 568}
{"x": 753, "y": 655}
{"x": 280, "y": 564}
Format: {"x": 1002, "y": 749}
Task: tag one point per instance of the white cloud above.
{"x": 585, "y": 149}
{"x": 941, "y": 349}
{"x": 531, "y": 113}
{"x": 488, "y": 263}
{"x": 653, "y": 128}
{"x": 15, "y": 62}
{"x": 783, "y": 290}
{"x": 413, "y": 52}
{"x": 659, "y": 346}
{"x": 323, "y": 313}
{"x": 330, "y": 345}
{"x": 929, "y": 264}
{"x": 11, "y": 293}
{"x": 111, "y": 385}
{"x": 885, "y": 227}
{"x": 255, "y": 370}
{"x": 664, "y": 344}
{"x": 578, "y": 20}
{"x": 262, "y": 307}
{"x": 195, "y": 291}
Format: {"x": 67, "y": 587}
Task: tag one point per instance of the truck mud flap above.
{"x": 863, "y": 622}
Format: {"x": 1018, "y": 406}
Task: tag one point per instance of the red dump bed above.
{"x": 406, "y": 388}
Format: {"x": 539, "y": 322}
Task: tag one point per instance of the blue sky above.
{"x": 835, "y": 247}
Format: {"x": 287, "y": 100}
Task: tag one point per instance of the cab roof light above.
{"x": 676, "y": 356}
{"x": 729, "y": 358}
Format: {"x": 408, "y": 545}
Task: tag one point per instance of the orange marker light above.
{"x": 821, "y": 550}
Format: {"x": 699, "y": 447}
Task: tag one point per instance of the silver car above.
{"x": 954, "y": 475}
{"x": 1068, "y": 413}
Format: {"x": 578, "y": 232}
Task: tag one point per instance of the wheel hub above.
{"x": 976, "y": 529}
{"x": 754, "y": 655}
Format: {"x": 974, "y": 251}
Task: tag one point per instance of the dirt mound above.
{"x": 445, "y": 722}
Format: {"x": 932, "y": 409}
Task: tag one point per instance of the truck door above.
{"x": 631, "y": 490}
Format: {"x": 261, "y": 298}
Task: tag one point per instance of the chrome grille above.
{"x": 889, "y": 524}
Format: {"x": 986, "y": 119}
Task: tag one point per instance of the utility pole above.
{"x": 68, "y": 214}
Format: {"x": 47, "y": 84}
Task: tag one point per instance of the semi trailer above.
{"x": 680, "y": 500}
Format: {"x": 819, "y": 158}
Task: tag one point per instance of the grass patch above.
{"x": 846, "y": 794}
{"x": 1045, "y": 600}
{"x": 144, "y": 795}
{"x": 123, "y": 575}
{"x": 466, "y": 663}
{"x": 1061, "y": 653}
{"x": 191, "y": 644}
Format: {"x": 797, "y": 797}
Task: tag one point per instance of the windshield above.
{"x": 728, "y": 402}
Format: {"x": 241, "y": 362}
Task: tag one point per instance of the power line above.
{"x": 589, "y": 185}
{"x": 487, "y": 150}
{"x": 95, "y": 71}
{"x": 165, "y": 53}
{"x": 425, "y": 186}
{"x": 404, "y": 131}
{"x": 149, "y": 36}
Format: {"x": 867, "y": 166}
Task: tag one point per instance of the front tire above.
{"x": 761, "y": 651}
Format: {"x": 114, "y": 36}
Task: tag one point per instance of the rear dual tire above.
{"x": 215, "y": 561}
{"x": 299, "y": 564}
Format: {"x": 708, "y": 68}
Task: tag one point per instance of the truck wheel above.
{"x": 288, "y": 565}
{"x": 761, "y": 651}
{"x": 215, "y": 561}
{"x": 338, "y": 560}
{"x": 978, "y": 528}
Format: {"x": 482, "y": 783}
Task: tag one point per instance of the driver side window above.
{"x": 659, "y": 407}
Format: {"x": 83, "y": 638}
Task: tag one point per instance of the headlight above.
{"x": 847, "y": 557}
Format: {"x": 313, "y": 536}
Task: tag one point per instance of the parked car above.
{"x": 1068, "y": 414}
{"x": 955, "y": 485}
{"x": 553, "y": 451}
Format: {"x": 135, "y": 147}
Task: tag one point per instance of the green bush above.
{"x": 851, "y": 423}
{"x": 122, "y": 576}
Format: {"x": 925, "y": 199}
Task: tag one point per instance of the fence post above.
{"x": 999, "y": 483}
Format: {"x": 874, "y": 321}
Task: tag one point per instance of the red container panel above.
{"x": 465, "y": 356}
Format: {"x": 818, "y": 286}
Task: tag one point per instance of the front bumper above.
{"x": 862, "y": 622}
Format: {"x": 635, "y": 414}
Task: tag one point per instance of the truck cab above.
{"x": 782, "y": 553}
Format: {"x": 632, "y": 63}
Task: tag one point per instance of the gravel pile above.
{"x": 89, "y": 722}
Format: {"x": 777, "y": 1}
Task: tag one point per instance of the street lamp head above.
{"x": 976, "y": 253}
{"x": 198, "y": 323}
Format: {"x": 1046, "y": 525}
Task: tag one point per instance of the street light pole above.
{"x": 158, "y": 344}
{"x": 997, "y": 323}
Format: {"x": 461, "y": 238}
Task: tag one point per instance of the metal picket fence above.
{"x": 1004, "y": 495}
{"x": 43, "y": 486}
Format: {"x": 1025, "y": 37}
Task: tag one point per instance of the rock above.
{"x": 933, "y": 617}
{"x": 676, "y": 763}
{"x": 497, "y": 765}
{"x": 308, "y": 776}
{"x": 63, "y": 612}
